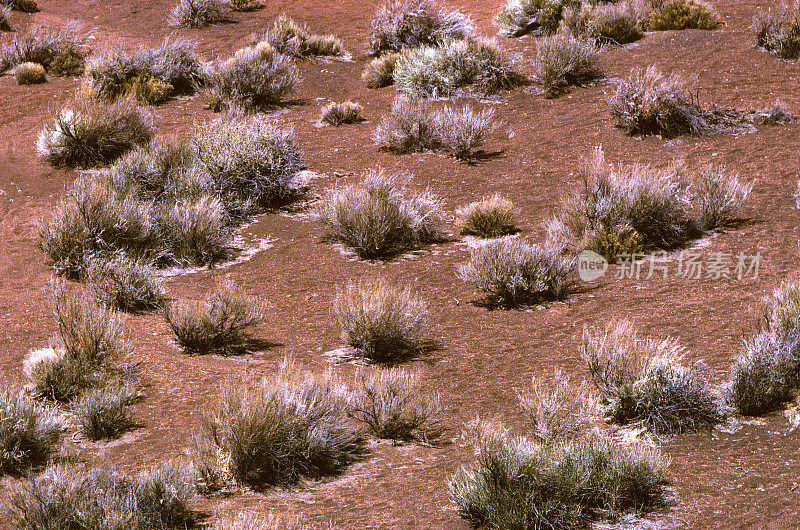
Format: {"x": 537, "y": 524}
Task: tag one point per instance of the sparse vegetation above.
{"x": 199, "y": 13}
{"x": 28, "y": 433}
{"x": 778, "y": 30}
{"x": 512, "y": 272}
{"x": 408, "y": 24}
{"x": 290, "y": 38}
{"x": 30, "y": 74}
{"x": 491, "y": 217}
{"x": 53, "y": 48}
{"x": 377, "y": 219}
{"x": 383, "y": 323}
{"x": 562, "y": 62}
{"x": 682, "y": 14}
{"x": 220, "y": 325}
{"x": 537, "y": 17}
{"x": 379, "y": 72}
{"x": 275, "y": 432}
{"x": 342, "y": 113}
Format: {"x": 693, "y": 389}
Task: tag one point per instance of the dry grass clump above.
{"x": 102, "y": 498}
{"x": 342, "y": 113}
{"x": 537, "y": 17}
{"x": 25, "y": 6}
{"x": 407, "y": 24}
{"x": 220, "y": 325}
{"x": 562, "y": 62}
{"x": 455, "y": 66}
{"x": 290, "y": 38}
{"x": 512, "y": 272}
{"x": 490, "y": 217}
{"x": 394, "y": 406}
{"x": 30, "y": 74}
{"x": 287, "y": 427}
{"x": 125, "y": 283}
{"x": 254, "y": 78}
{"x": 253, "y": 521}
{"x": 719, "y": 195}
{"x": 682, "y": 14}
{"x": 643, "y": 380}
{"x": 61, "y": 51}
{"x": 605, "y": 24}
{"x": 379, "y": 72}
{"x": 198, "y": 13}
{"x": 383, "y": 323}
{"x": 28, "y": 433}
{"x": 86, "y": 133}
{"x": 778, "y": 30}
{"x": 378, "y": 219}
{"x": 150, "y": 74}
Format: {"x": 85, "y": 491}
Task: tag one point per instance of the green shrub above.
{"x": 379, "y": 72}
{"x": 254, "y": 78}
{"x": 512, "y": 272}
{"x": 288, "y": 427}
{"x": 86, "y": 134}
{"x": 377, "y": 219}
{"x": 220, "y": 325}
{"x": 198, "y": 13}
{"x": 778, "y": 30}
{"x": 456, "y": 66}
{"x": 104, "y": 412}
{"x": 719, "y": 196}
{"x": 290, "y": 38}
{"x": 103, "y": 498}
{"x": 491, "y": 217}
{"x": 538, "y": 17}
{"x": 30, "y": 74}
{"x": 28, "y": 433}
{"x": 252, "y": 165}
{"x": 683, "y": 14}
{"x": 44, "y": 45}
{"x": 381, "y": 322}
{"x": 125, "y": 283}
{"x": 342, "y": 113}
{"x": 394, "y": 406}
{"x": 562, "y": 62}
{"x": 25, "y": 6}
{"x": 613, "y": 24}
{"x": 408, "y": 24}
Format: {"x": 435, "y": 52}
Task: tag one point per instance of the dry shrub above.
{"x": 5, "y": 19}
{"x": 778, "y": 30}
{"x": 342, "y": 113}
{"x": 537, "y": 17}
{"x": 378, "y": 219}
{"x": 408, "y": 24}
{"x": 45, "y": 45}
{"x": 383, "y": 323}
{"x": 512, "y": 272}
{"x": 562, "y": 62}
{"x": 394, "y": 406}
{"x": 683, "y": 14}
{"x": 126, "y": 284}
{"x": 379, "y": 72}
{"x": 220, "y": 325}
{"x": 30, "y": 74}
{"x": 719, "y": 196}
{"x": 253, "y": 521}
{"x": 490, "y": 217}
{"x": 198, "y": 13}
{"x": 25, "y": 6}
{"x": 104, "y": 412}
{"x": 290, "y": 38}
{"x": 610, "y": 24}
{"x": 28, "y": 433}
{"x": 276, "y": 432}
{"x": 246, "y": 5}
{"x": 254, "y": 78}
{"x": 86, "y": 133}
{"x": 461, "y": 130}
{"x": 196, "y": 232}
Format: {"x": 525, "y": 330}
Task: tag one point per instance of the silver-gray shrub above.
{"x": 408, "y": 24}
{"x": 778, "y": 30}
{"x": 124, "y": 283}
{"x": 562, "y": 62}
{"x": 198, "y": 13}
{"x": 28, "y": 433}
{"x": 536, "y": 17}
{"x": 719, "y": 196}
{"x": 105, "y": 412}
{"x": 44, "y": 45}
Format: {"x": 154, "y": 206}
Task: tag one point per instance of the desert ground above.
{"x": 742, "y": 476}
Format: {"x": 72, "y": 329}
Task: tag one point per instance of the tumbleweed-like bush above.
{"x": 30, "y": 74}
{"x": 54, "y": 48}
{"x": 378, "y": 219}
{"x": 28, "y": 433}
{"x": 490, "y": 217}
{"x": 683, "y": 14}
{"x": 605, "y": 24}
{"x": 290, "y": 38}
{"x": 342, "y": 113}
{"x": 562, "y": 62}
{"x": 408, "y": 24}
{"x": 198, "y": 13}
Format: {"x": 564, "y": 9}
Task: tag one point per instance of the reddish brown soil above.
{"x": 722, "y": 480}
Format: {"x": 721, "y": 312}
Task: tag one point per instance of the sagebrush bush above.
{"x": 512, "y": 272}
{"x": 25, "y": 6}
{"x": 408, "y": 24}
{"x": 252, "y": 164}
{"x": 643, "y": 380}
{"x": 562, "y": 62}
{"x": 151, "y": 74}
{"x": 221, "y": 325}
{"x": 86, "y": 133}
{"x": 455, "y": 66}
{"x": 103, "y": 498}
{"x": 198, "y": 13}
{"x": 28, "y": 433}
{"x": 285, "y": 428}
{"x": 719, "y": 196}
{"x": 394, "y": 406}
{"x": 379, "y": 72}
{"x": 778, "y": 30}
{"x": 461, "y": 130}
{"x": 254, "y": 78}
{"x": 537, "y": 17}
{"x": 490, "y": 217}
{"x": 124, "y": 283}
{"x": 342, "y": 113}
{"x": 197, "y": 232}
{"x": 378, "y": 219}
{"x": 683, "y": 14}
{"x": 609, "y": 24}
{"x": 30, "y": 74}
{"x": 290, "y": 38}
{"x": 45, "y": 45}
{"x": 104, "y": 412}
{"x": 518, "y": 483}
{"x": 383, "y": 323}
